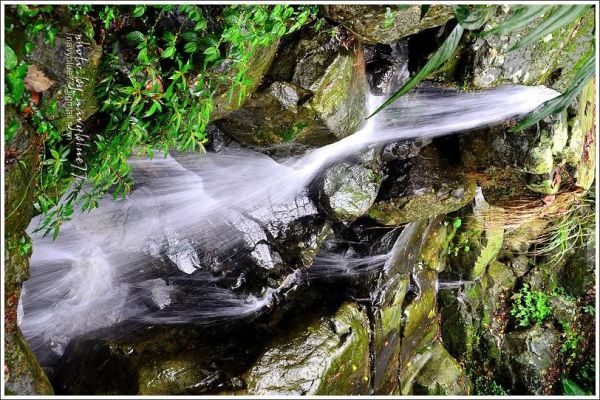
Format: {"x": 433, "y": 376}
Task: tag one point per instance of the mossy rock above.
{"x": 315, "y": 95}
{"x": 549, "y": 61}
{"x": 229, "y": 99}
{"x": 73, "y": 105}
{"x": 431, "y": 189}
{"x": 581, "y": 150}
{"x": 328, "y": 356}
{"x": 441, "y": 375}
{"x": 526, "y": 359}
{"x": 386, "y": 24}
{"x": 348, "y": 190}
{"x": 23, "y": 374}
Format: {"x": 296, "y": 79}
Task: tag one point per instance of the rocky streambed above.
{"x": 395, "y": 271}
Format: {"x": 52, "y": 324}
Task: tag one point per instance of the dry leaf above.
{"x": 36, "y": 81}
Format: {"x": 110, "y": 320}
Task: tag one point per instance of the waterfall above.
{"x": 112, "y": 264}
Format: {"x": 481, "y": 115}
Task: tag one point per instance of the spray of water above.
{"x": 105, "y": 265}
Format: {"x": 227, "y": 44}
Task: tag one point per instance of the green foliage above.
{"x": 586, "y": 374}
{"x": 589, "y": 309}
{"x": 483, "y": 386}
{"x": 471, "y": 17}
{"x": 439, "y": 57}
{"x": 570, "y": 344}
{"x": 24, "y": 246}
{"x": 530, "y": 306}
{"x": 569, "y": 231}
{"x": 521, "y": 16}
{"x": 570, "y": 388}
{"x": 389, "y": 18}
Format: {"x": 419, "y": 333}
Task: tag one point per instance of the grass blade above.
{"x": 424, "y": 9}
{"x": 585, "y": 70}
{"x": 471, "y": 17}
{"x": 441, "y": 55}
{"x": 562, "y": 16}
{"x": 520, "y": 17}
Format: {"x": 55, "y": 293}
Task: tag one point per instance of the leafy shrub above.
{"x": 530, "y": 306}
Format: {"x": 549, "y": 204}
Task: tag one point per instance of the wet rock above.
{"x": 429, "y": 189}
{"x": 327, "y": 356}
{"x": 549, "y": 61}
{"x": 473, "y": 317}
{"x": 533, "y": 157}
{"x": 216, "y": 138}
{"x": 441, "y": 375}
{"x": 387, "y": 67}
{"x": 315, "y": 96}
{"x": 404, "y": 307}
{"x": 348, "y": 191}
{"x": 155, "y": 360}
{"x": 526, "y": 357}
{"x": 386, "y": 24}
{"x": 73, "y": 106}
{"x": 228, "y": 98}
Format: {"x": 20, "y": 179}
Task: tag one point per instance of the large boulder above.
{"x": 424, "y": 188}
{"x": 441, "y": 375}
{"x": 313, "y": 95}
{"x": 526, "y": 359}
{"x": 386, "y": 24}
{"x": 326, "y": 356}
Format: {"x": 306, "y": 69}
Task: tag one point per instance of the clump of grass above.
{"x": 569, "y": 219}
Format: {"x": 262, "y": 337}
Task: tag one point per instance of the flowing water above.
{"x": 113, "y": 264}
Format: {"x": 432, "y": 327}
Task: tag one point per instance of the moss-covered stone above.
{"x": 549, "y": 61}
{"x": 348, "y": 190}
{"x": 441, "y": 375}
{"x": 228, "y": 99}
{"x": 23, "y": 374}
{"x": 317, "y": 96}
{"x": 325, "y": 357}
{"x": 581, "y": 150}
{"x": 526, "y": 358}
{"x": 386, "y": 24}
{"x": 74, "y": 86}
{"x": 431, "y": 189}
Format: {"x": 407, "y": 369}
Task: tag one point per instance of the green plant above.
{"x": 571, "y": 388}
{"x": 475, "y": 16}
{"x": 24, "y": 246}
{"x": 484, "y": 386}
{"x": 589, "y": 309}
{"x": 570, "y": 344}
{"x": 530, "y": 306}
{"x": 586, "y": 374}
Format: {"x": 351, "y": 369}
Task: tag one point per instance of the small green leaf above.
{"x": 168, "y": 53}
{"x": 190, "y": 47}
{"x": 152, "y": 110}
{"x": 441, "y": 55}
{"x": 138, "y": 11}
{"x": 424, "y": 9}
{"x": 136, "y": 37}
{"x": 562, "y": 16}
{"x": 584, "y": 71}
{"x": 10, "y": 58}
